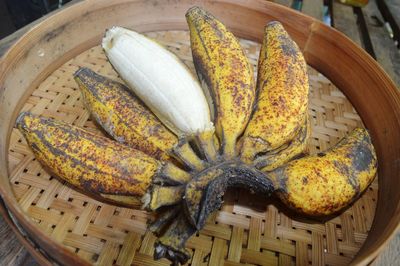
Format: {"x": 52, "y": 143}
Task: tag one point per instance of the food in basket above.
{"x": 94, "y": 163}
{"x": 280, "y": 115}
{"x": 259, "y": 142}
{"x": 222, "y": 64}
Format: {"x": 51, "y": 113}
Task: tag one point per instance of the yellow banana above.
{"x": 123, "y": 116}
{"x": 220, "y": 61}
{"x": 327, "y": 182}
{"x": 282, "y": 87}
{"x": 93, "y": 163}
{"x": 127, "y": 120}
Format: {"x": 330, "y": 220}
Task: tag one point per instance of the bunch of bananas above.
{"x": 179, "y": 145}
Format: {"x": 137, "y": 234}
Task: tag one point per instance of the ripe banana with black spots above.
{"x": 221, "y": 62}
{"x": 127, "y": 120}
{"x": 163, "y": 83}
{"x": 93, "y": 163}
{"x": 282, "y": 87}
{"x": 327, "y": 182}
{"x": 123, "y": 116}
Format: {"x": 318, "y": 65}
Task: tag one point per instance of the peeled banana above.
{"x": 220, "y": 61}
{"x": 259, "y": 142}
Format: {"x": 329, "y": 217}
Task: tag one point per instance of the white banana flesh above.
{"x": 160, "y": 79}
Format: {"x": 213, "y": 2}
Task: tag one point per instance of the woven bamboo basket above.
{"x": 62, "y": 225}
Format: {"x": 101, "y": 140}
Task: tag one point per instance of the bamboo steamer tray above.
{"x": 348, "y": 89}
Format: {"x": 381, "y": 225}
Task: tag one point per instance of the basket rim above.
{"x": 74, "y": 10}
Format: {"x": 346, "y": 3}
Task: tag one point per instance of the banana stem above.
{"x": 228, "y": 147}
{"x": 207, "y": 143}
{"x": 183, "y": 152}
{"x": 204, "y": 193}
{"x": 172, "y": 244}
{"x": 165, "y": 196}
{"x": 171, "y": 175}
{"x": 250, "y": 149}
{"x": 163, "y": 219}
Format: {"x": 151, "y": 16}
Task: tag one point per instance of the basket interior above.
{"x": 247, "y": 230}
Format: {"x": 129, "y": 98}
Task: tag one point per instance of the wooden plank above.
{"x": 287, "y": 3}
{"x": 391, "y": 255}
{"x": 386, "y": 52}
{"x": 345, "y": 21}
{"x": 394, "y": 8}
{"x": 390, "y": 10}
{"x": 313, "y": 8}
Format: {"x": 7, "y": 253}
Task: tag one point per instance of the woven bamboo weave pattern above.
{"x": 248, "y": 230}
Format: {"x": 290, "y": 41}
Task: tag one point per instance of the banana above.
{"x": 162, "y": 82}
{"x": 123, "y": 116}
{"x": 220, "y": 61}
{"x": 325, "y": 183}
{"x": 93, "y": 163}
{"x": 282, "y": 86}
{"x": 127, "y": 120}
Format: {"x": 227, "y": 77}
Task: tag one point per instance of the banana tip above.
{"x": 273, "y": 23}
{"x": 81, "y": 71}
{"x": 109, "y": 37}
{"x": 146, "y": 200}
{"x": 193, "y": 10}
{"x": 20, "y": 119}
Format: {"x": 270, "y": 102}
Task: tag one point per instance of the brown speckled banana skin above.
{"x": 220, "y": 61}
{"x": 90, "y": 162}
{"x": 282, "y": 89}
{"x": 125, "y": 118}
{"x": 329, "y": 181}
